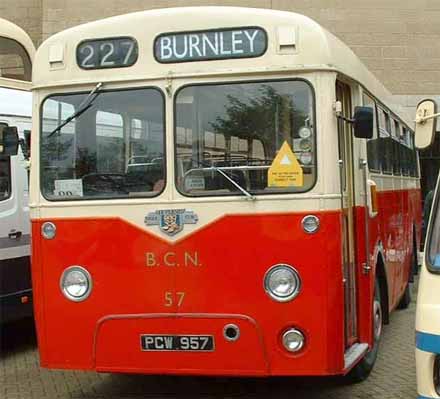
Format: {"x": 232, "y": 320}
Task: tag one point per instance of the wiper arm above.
{"x": 83, "y": 107}
{"x": 225, "y": 175}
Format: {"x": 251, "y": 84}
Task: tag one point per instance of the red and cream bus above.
{"x": 216, "y": 191}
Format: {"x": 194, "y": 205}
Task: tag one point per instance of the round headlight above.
{"x": 293, "y": 340}
{"x": 48, "y": 230}
{"x": 282, "y": 283}
{"x": 76, "y": 283}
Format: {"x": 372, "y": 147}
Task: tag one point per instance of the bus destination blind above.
{"x": 116, "y": 52}
{"x": 210, "y": 45}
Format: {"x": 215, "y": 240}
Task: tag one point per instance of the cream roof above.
{"x": 317, "y": 49}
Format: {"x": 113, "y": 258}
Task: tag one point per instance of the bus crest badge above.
{"x": 171, "y": 221}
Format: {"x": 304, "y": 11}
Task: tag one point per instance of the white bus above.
{"x": 16, "y": 54}
{"x": 428, "y": 301}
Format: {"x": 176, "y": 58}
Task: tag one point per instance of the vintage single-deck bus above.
{"x": 16, "y": 53}
{"x": 428, "y": 301}
{"x": 216, "y": 191}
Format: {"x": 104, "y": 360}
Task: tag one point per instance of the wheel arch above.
{"x": 381, "y": 275}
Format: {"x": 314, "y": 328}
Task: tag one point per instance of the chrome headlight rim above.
{"x": 297, "y": 278}
{"x": 298, "y": 333}
{"x": 89, "y": 282}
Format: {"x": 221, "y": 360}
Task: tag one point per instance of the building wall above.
{"x": 28, "y": 14}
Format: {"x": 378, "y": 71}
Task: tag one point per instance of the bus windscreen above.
{"x": 115, "y": 149}
{"x": 262, "y": 135}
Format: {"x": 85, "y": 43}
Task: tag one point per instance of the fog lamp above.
{"x": 282, "y": 283}
{"x": 76, "y": 283}
{"x": 293, "y": 340}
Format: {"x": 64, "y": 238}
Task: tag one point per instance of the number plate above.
{"x": 191, "y": 343}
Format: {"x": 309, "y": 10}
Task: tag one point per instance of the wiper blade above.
{"x": 225, "y": 175}
{"x": 83, "y": 107}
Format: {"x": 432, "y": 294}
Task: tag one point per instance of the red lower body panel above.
{"x": 145, "y": 285}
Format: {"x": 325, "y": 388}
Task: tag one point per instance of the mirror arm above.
{"x": 423, "y": 119}
{"x": 340, "y": 116}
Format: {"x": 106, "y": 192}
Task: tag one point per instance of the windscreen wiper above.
{"x": 225, "y": 175}
{"x": 83, "y": 107}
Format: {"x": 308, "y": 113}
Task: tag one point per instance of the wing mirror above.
{"x": 363, "y": 122}
{"x": 8, "y": 140}
{"x": 426, "y": 120}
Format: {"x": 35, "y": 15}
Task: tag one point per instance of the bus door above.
{"x": 345, "y": 140}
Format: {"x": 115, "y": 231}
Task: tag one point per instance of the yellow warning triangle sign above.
{"x": 285, "y": 170}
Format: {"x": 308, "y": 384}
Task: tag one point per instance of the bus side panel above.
{"x": 392, "y": 227}
{"x": 366, "y": 280}
{"x": 131, "y": 295}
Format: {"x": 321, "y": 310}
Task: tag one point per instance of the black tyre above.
{"x": 415, "y": 262}
{"x": 406, "y": 298}
{"x": 363, "y": 369}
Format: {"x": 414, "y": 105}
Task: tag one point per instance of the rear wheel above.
{"x": 363, "y": 369}
{"x": 406, "y": 298}
{"x": 415, "y": 261}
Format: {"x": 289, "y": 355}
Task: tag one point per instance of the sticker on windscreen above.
{"x": 285, "y": 170}
{"x": 194, "y": 182}
{"x": 69, "y": 188}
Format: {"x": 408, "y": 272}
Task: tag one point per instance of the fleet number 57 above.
{"x": 172, "y": 298}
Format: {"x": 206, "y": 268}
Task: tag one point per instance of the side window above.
{"x": 413, "y": 168}
{"x": 372, "y": 144}
{"x": 385, "y": 142}
{"x": 5, "y": 178}
{"x": 396, "y": 148}
{"x": 405, "y": 152}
